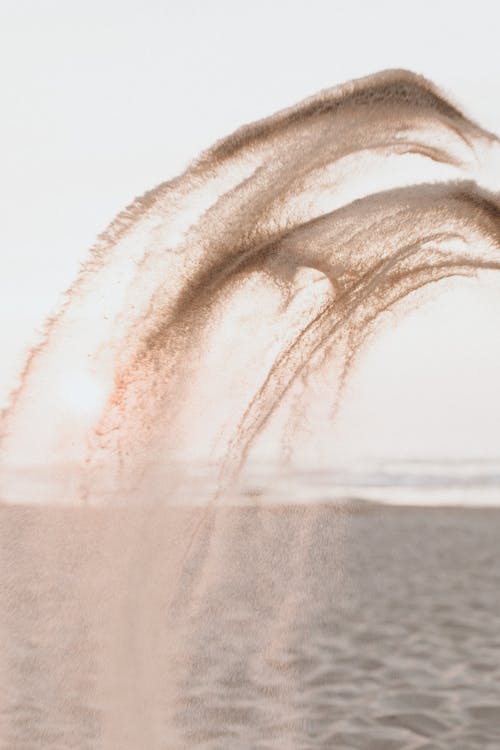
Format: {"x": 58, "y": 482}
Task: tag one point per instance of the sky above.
{"x": 103, "y": 100}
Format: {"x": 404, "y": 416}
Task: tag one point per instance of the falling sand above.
{"x": 200, "y": 318}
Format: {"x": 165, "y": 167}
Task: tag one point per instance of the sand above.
{"x": 292, "y": 628}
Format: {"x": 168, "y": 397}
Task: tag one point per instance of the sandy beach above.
{"x": 292, "y": 627}
{"x": 249, "y": 379}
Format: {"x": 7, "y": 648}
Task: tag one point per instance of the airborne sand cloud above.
{"x": 278, "y": 249}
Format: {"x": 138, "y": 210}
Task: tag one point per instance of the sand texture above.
{"x": 291, "y": 628}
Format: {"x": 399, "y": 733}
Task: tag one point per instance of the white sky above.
{"x": 103, "y": 100}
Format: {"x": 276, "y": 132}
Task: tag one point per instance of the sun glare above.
{"x": 83, "y": 395}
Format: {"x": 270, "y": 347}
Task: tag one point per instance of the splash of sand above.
{"x": 198, "y": 311}
{"x": 211, "y": 295}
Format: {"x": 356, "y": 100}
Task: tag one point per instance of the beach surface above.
{"x": 370, "y": 628}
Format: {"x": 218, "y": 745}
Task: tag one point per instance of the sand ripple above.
{"x": 303, "y": 628}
